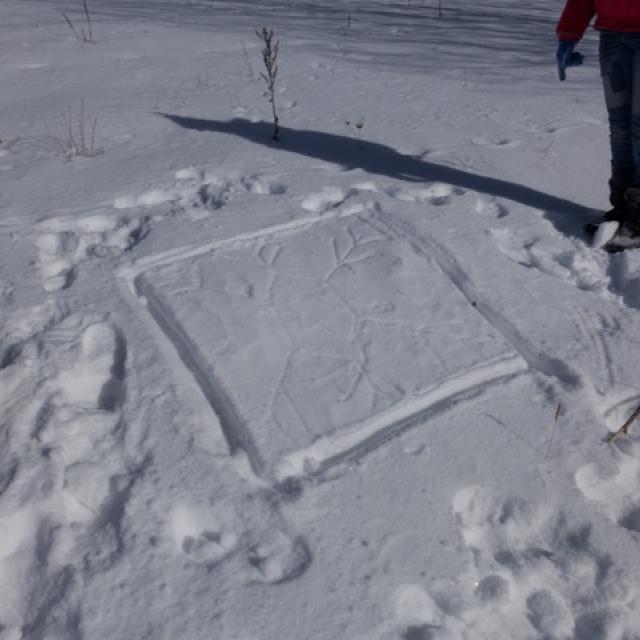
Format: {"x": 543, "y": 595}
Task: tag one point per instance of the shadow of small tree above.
{"x": 568, "y": 217}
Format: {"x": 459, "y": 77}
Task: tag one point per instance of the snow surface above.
{"x": 350, "y": 385}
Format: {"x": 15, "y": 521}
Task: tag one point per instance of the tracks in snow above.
{"x": 366, "y": 435}
{"x": 238, "y": 438}
{"x": 371, "y": 434}
{"x": 428, "y": 247}
{"x": 130, "y": 273}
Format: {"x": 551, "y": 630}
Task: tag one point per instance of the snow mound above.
{"x": 605, "y": 232}
{"x": 325, "y": 199}
{"x": 436, "y": 194}
{"x": 197, "y": 191}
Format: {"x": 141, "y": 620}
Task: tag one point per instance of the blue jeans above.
{"x": 620, "y": 69}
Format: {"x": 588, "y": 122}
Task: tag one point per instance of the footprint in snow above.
{"x": 96, "y": 381}
{"x": 197, "y": 191}
{"x": 209, "y": 535}
{"x": 558, "y": 257}
{"x": 209, "y": 546}
{"x": 325, "y": 199}
{"x": 615, "y": 490}
{"x": 80, "y": 411}
{"x": 276, "y": 557}
{"x": 417, "y": 615}
{"x": 491, "y": 207}
{"x": 531, "y": 575}
{"x": 64, "y": 244}
{"x": 63, "y": 484}
{"x": 202, "y": 535}
{"x": 436, "y": 194}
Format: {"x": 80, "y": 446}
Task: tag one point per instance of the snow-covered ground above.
{"x": 350, "y": 385}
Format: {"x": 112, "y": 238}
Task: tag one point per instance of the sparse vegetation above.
{"x": 247, "y": 63}
{"x": 270, "y": 51}
{"x": 624, "y": 429}
{"x": 78, "y": 136}
{"x": 85, "y": 34}
{"x": 356, "y": 128}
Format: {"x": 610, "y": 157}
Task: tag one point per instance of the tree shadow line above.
{"x": 567, "y": 217}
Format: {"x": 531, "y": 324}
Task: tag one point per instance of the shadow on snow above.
{"x": 487, "y": 40}
{"x": 374, "y": 158}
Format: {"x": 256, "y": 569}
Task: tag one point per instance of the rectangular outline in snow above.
{"x": 326, "y": 451}
{"x": 369, "y": 434}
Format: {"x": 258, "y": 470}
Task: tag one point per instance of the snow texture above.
{"x": 351, "y": 384}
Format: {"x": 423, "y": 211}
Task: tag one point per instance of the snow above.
{"x": 351, "y": 384}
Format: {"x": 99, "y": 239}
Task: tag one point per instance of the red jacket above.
{"x": 612, "y": 15}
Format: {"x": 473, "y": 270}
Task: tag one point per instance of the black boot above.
{"x": 618, "y": 186}
{"x": 628, "y": 234}
{"x": 631, "y": 223}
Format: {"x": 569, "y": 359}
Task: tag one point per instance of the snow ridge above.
{"x": 538, "y": 361}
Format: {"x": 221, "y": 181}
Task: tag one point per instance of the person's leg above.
{"x": 635, "y": 108}
{"x": 632, "y": 194}
{"x": 617, "y": 69}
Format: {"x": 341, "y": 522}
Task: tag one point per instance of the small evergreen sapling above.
{"x": 270, "y": 59}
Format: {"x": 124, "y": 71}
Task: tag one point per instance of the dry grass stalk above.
{"x": 79, "y": 135}
{"x": 247, "y": 63}
{"x": 558, "y": 412}
{"x": 84, "y": 35}
{"x": 623, "y": 430}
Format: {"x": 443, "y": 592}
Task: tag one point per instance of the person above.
{"x": 618, "y": 22}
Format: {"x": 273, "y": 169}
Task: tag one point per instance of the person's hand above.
{"x": 567, "y": 57}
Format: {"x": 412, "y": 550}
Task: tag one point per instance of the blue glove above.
{"x": 567, "y": 57}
